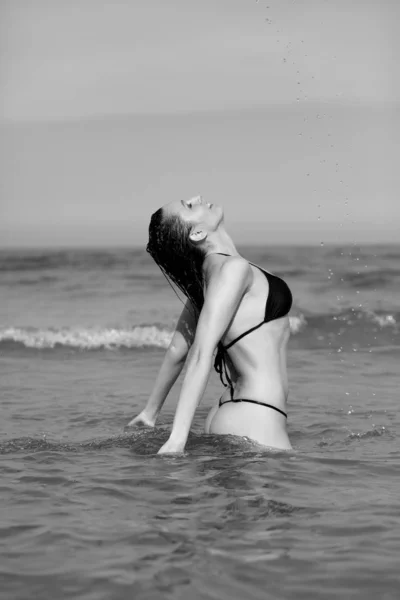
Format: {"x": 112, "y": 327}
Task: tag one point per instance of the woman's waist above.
{"x": 272, "y": 389}
{"x": 268, "y": 376}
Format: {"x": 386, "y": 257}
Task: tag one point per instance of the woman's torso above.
{"x": 256, "y": 362}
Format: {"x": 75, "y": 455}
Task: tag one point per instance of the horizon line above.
{"x": 243, "y": 245}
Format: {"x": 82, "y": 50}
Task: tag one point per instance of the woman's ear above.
{"x": 198, "y": 235}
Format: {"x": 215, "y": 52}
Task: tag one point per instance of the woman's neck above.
{"x": 221, "y": 243}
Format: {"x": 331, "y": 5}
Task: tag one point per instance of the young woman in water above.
{"x": 233, "y": 307}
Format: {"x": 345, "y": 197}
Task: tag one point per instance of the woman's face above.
{"x": 196, "y": 212}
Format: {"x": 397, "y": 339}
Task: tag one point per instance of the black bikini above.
{"x": 278, "y": 305}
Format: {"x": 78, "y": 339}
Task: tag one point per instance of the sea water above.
{"x": 90, "y": 511}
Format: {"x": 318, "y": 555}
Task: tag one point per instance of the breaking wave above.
{"x": 353, "y": 328}
{"x": 87, "y": 339}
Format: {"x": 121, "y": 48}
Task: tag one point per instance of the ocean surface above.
{"x": 88, "y": 511}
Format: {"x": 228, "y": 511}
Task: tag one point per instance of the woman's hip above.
{"x": 262, "y": 422}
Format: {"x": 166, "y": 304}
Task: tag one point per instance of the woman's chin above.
{"x": 218, "y": 210}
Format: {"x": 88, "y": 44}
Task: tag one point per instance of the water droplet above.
{"x": 322, "y": 243}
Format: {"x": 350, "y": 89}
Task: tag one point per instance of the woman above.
{"x": 231, "y": 305}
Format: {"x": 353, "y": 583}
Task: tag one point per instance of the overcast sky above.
{"x": 286, "y": 112}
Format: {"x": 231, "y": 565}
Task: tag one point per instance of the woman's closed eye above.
{"x": 190, "y": 203}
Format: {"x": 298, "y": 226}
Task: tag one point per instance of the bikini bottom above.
{"x": 253, "y": 402}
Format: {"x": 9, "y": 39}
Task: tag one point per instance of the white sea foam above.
{"x": 88, "y": 339}
{"x": 384, "y": 320}
{"x": 96, "y": 338}
{"x": 297, "y": 323}
{"x": 151, "y": 336}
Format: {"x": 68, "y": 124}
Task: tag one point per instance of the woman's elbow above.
{"x": 178, "y": 352}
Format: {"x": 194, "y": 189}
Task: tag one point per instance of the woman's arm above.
{"x": 225, "y": 290}
{"x": 171, "y": 367}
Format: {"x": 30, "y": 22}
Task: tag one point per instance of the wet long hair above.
{"x": 179, "y": 260}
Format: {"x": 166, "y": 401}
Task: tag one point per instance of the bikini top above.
{"x": 278, "y": 304}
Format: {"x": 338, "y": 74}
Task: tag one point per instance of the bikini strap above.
{"x": 242, "y": 335}
{"x": 221, "y": 368}
{"x": 253, "y": 402}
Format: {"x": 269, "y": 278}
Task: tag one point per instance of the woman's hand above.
{"x": 142, "y": 420}
{"x": 172, "y": 447}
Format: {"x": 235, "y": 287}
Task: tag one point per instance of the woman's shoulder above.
{"x": 227, "y": 268}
